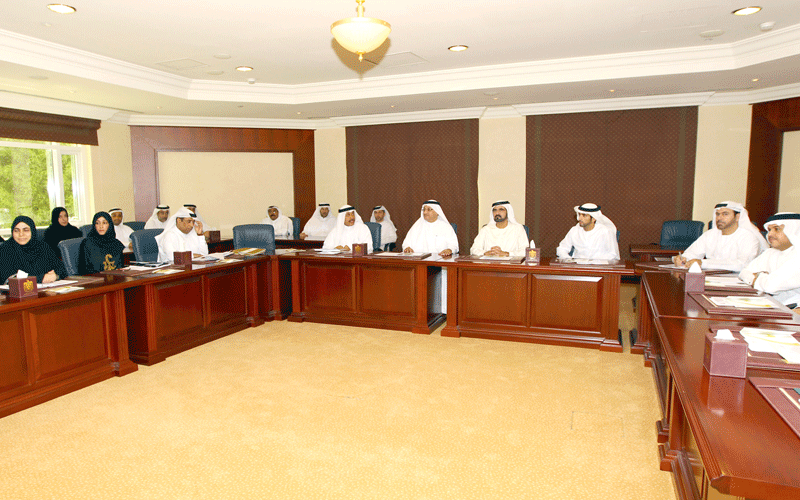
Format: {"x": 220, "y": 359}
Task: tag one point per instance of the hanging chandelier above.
{"x": 360, "y": 34}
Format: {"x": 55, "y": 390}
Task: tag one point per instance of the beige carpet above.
{"x": 292, "y": 410}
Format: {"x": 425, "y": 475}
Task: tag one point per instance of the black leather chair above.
{"x": 527, "y": 232}
{"x": 145, "y": 247}
{"x": 135, "y": 225}
{"x": 85, "y": 229}
{"x": 69, "y": 254}
{"x": 295, "y": 227}
{"x": 679, "y": 234}
{"x": 375, "y": 229}
{"x": 455, "y": 227}
{"x": 254, "y": 236}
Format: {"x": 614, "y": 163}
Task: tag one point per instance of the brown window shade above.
{"x": 402, "y": 165}
{"x": 32, "y": 126}
{"x": 637, "y": 164}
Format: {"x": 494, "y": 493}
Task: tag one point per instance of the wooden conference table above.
{"x": 566, "y": 304}
{"x": 54, "y": 344}
{"x": 718, "y": 435}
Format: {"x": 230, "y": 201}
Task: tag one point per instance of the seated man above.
{"x": 320, "y": 224}
{"x": 159, "y": 218}
{"x": 503, "y": 236}
{"x": 731, "y": 244}
{"x": 777, "y": 270}
{"x": 279, "y": 222}
{"x": 182, "y": 233}
{"x": 349, "y": 229}
{"x": 432, "y": 232}
{"x": 123, "y": 232}
{"x": 388, "y": 231}
{"x": 593, "y": 237}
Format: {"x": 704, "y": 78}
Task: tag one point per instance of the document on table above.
{"x": 725, "y": 281}
{"x": 41, "y": 286}
{"x": 741, "y": 302}
{"x": 777, "y": 341}
{"x": 332, "y": 251}
{"x": 492, "y": 257}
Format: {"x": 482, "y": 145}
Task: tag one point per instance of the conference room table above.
{"x": 718, "y": 435}
{"x": 651, "y": 252}
{"x": 552, "y": 302}
{"x": 57, "y": 343}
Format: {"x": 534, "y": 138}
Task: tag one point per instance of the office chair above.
{"x": 679, "y": 234}
{"x": 145, "y": 247}
{"x": 375, "y": 229}
{"x": 85, "y": 229}
{"x": 295, "y": 227}
{"x": 69, "y": 254}
{"x": 254, "y": 236}
{"x": 455, "y": 227}
{"x": 389, "y": 247}
{"x": 527, "y": 232}
{"x": 135, "y": 225}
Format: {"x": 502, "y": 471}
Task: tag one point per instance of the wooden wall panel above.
{"x": 146, "y": 142}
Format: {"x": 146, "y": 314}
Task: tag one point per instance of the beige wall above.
{"x": 720, "y": 170}
{"x": 789, "y": 196}
{"x": 111, "y": 170}
{"x": 330, "y": 163}
{"x": 501, "y": 166}
{"x": 723, "y": 148}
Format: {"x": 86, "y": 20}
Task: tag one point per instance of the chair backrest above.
{"x": 527, "y": 233}
{"x": 375, "y": 229}
{"x": 145, "y": 247}
{"x": 679, "y": 234}
{"x": 135, "y": 225}
{"x": 455, "y": 227}
{"x": 295, "y": 227}
{"x": 85, "y": 229}
{"x": 69, "y": 254}
{"x": 254, "y": 236}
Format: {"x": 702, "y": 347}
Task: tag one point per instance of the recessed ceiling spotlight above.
{"x": 158, "y": 107}
{"x": 457, "y": 48}
{"x": 391, "y": 106}
{"x": 711, "y": 33}
{"x": 754, "y": 80}
{"x": 746, "y": 11}
{"x": 495, "y": 98}
{"x": 61, "y": 8}
{"x": 244, "y": 68}
{"x": 611, "y": 90}
{"x": 215, "y": 72}
{"x": 299, "y": 112}
{"x": 222, "y": 55}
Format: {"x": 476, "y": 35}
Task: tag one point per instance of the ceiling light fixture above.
{"x": 61, "y": 8}
{"x": 360, "y": 34}
{"x": 244, "y": 68}
{"x": 457, "y": 48}
{"x": 754, "y": 80}
{"x": 746, "y": 11}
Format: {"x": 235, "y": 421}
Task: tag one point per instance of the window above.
{"x": 36, "y": 177}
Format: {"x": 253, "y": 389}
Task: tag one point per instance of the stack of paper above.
{"x": 777, "y": 341}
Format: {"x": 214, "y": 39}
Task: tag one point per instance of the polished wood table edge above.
{"x": 534, "y": 337}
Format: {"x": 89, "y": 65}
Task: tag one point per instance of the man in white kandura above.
{"x": 349, "y": 229}
{"x": 388, "y": 231}
{"x": 320, "y": 224}
{"x": 593, "y": 237}
{"x": 159, "y": 218}
{"x": 503, "y": 236}
{"x": 197, "y": 217}
{"x": 182, "y": 233}
{"x": 777, "y": 270}
{"x": 122, "y": 231}
{"x": 432, "y": 233}
{"x": 731, "y": 244}
{"x": 281, "y": 224}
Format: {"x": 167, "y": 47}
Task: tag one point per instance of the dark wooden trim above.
{"x": 769, "y": 121}
{"x": 146, "y": 142}
{"x": 33, "y": 126}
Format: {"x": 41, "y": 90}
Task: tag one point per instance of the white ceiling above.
{"x": 149, "y": 62}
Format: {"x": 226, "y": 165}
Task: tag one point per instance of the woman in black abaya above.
{"x": 24, "y": 252}
{"x": 60, "y": 229}
{"x": 100, "y": 250}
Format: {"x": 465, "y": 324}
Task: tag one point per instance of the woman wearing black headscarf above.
{"x": 100, "y": 250}
{"x": 24, "y": 252}
{"x": 60, "y": 229}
